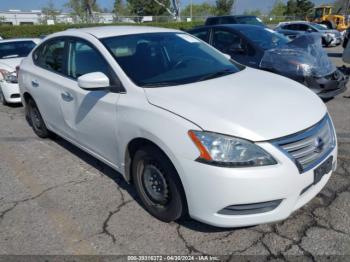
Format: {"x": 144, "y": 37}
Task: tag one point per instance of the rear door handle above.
{"x": 67, "y": 96}
{"x": 35, "y": 83}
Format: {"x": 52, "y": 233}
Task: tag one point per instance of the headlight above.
{"x": 229, "y": 151}
{"x": 304, "y": 69}
{"x": 10, "y": 77}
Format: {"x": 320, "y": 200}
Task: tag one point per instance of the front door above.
{"x": 90, "y": 115}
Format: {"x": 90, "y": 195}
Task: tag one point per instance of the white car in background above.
{"x": 194, "y": 131}
{"x": 12, "y": 52}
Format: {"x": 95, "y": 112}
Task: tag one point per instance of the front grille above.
{"x": 308, "y": 148}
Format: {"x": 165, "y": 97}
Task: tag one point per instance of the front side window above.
{"x": 16, "y": 49}
{"x": 303, "y": 27}
{"x": 83, "y": 59}
{"x": 51, "y": 56}
{"x": 294, "y": 27}
{"x": 226, "y": 41}
{"x": 167, "y": 59}
{"x": 202, "y": 34}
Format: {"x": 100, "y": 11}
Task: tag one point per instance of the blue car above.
{"x": 302, "y": 59}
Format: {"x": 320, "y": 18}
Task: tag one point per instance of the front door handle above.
{"x": 67, "y": 96}
{"x": 35, "y": 83}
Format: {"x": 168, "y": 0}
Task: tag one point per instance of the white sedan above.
{"x": 194, "y": 131}
{"x": 12, "y": 52}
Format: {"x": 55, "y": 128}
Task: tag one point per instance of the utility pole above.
{"x": 191, "y": 10}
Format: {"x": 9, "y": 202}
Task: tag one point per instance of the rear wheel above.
{"x": 37, "y": 121}
{"x": 158, "y": 185}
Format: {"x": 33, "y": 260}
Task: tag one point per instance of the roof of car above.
{"x": 109, "y": 31}
{"x": 294, "y": 22}
{"x": 236, "y": 16}
{"x": 233, "y": 26}
{"x": 19, "y": 40}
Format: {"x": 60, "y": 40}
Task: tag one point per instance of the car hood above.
{"x": 10, "y": 63}
{"x": 304, "y": 56}
{"x": 251, "y": 104}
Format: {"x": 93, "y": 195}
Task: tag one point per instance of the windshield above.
{"x": 16, "y": 49}
{"x": 167, "y": 59}
{"x": 265, "y": 38}
{"x": 250, "y": 20}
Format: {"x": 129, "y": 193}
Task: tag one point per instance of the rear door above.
{"x": 89, "y": 115}
{"x": 44, "y": 79}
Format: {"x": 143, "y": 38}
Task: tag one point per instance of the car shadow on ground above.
{"x": 15, "y": 105}
{"x": 119, "y": 180}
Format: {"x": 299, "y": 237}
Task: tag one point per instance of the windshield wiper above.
{"x": 160, "y": 84}
{"x": 216, "y": 74}
{"x": 10, "y": 56}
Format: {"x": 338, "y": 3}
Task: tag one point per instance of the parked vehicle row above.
{"x": 196, "y": 132}
{"x": 302, "y": 59}
{"x": 330, "y": 37}
{"x": 11, "y": 54}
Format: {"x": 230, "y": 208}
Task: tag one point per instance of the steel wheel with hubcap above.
{"x": 158, "y": 184}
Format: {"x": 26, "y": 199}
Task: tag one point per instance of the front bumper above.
{"x": 328, "y": 86}
{"x": 11, "y": 92}
{"x": 210, "y": 189}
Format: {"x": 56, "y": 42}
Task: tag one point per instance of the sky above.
{"x": 241, "y": 6}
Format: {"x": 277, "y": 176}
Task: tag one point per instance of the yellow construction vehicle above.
{"x": 324, "y": 15}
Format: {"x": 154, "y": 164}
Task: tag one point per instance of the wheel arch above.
{"x": 139, "y": 142}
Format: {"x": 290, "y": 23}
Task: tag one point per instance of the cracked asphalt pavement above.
{"x": 56, "y": 199}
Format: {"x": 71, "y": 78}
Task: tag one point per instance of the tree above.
{"x": 299, "y": 8}
{"x": 203, "y": 9}
{"x": 224, "y": 7}
{"x": 120, "y": 8}
{"x": 256, "y": 12}
{"x": 278, "y": 9}
{"x": 148, "y": 7}
{"x": 83, "y": 9}
{"x": 50, "y": 12}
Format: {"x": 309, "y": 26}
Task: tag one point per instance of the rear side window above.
{"x": 84, "y": 59}
{"x": 50, "y": 56}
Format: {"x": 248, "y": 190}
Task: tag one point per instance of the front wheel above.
{"x": 37, "y": 121}
{"x": 158, "y": 185}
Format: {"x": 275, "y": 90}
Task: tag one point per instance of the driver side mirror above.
{"x": 309, "y": 30}
{"x": 93, "y": 81}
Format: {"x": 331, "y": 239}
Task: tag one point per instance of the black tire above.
{"x": 169, "y": 204}
{"x": 2, "y": 98}
{"x": 37, "y": 121}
